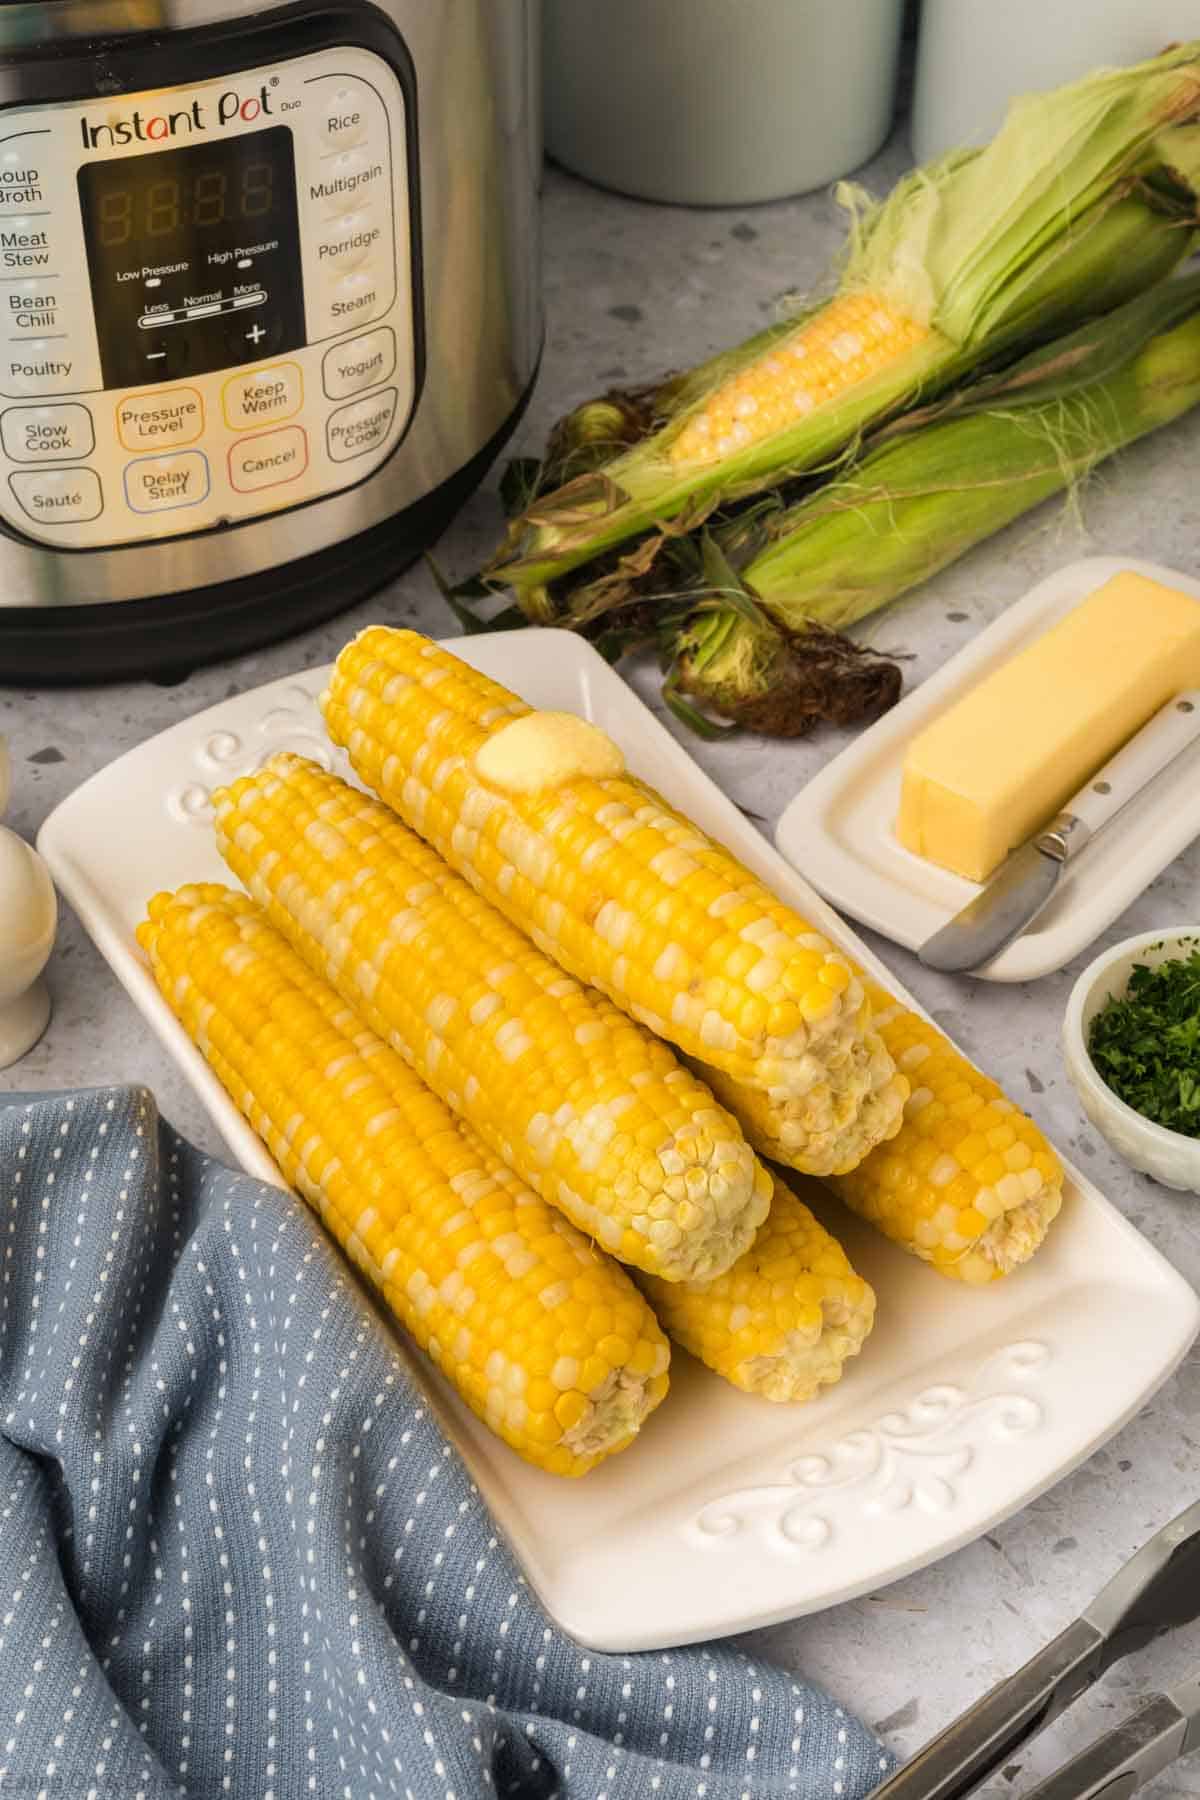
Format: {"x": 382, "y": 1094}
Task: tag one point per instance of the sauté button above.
{"x": 44, "y": 433}
{"x": 159, "y": 483}
{"x": 344, "y": 121}
{"x": 261, "y": 396}
{"x": 349, "y": 241}
{"x": 361, "y": 362}
{"x": 41, "y": 367}
{"x": 169, "y": 416}
{"x": 58, "y": 496}
{"x": 354, "y": 430}
{"x": 268, "y": 459}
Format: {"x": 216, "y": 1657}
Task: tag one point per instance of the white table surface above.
{"x": 632, "y": 289}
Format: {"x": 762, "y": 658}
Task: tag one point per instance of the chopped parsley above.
{"x": 1146, "y": 1044}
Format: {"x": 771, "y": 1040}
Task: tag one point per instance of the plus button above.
{"x": 256, "y": 334}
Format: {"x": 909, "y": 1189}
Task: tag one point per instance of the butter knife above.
{"x": 1027, "y": 879}
{"x": 1164, "y": 1729}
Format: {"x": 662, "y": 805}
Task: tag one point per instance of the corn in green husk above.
{"x": 761, "y": 645}
{"x": 1085, "y": 197}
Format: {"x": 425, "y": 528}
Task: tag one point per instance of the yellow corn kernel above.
{"x": 596, "y": 1115}
{"x": 855, "y": 336}
{"x": 417, "y": 1208}
{"x": 785, "y": 1319}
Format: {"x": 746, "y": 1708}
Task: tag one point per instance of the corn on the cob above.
{"x": 598, "y": 1117}
{"x": 967, "y": 1181}
{"x": 545, "y": 1339}
{"x": 619, "y": 889}
{"x": 785, "y": 1319}
{"x": 820, "y": 1133}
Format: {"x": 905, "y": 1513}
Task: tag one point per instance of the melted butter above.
{"x": 545, "y": 750}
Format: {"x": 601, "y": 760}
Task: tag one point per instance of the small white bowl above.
{"x": 1153, "y": 1150}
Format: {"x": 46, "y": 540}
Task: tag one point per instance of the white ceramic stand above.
{"x": 28, "y": 920}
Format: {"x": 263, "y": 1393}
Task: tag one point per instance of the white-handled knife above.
{"x": 1024, "y": 883}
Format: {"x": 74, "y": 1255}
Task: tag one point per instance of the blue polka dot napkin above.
{"x": 237, "y": 1557}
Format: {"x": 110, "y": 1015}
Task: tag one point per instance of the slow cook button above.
{"x": 261, "y": 396}
{"x": 344, "y": 118}
{"x": 361, "y": 362}
{"x": 349, "y": 241}
{"x": 170, "y": 416}
{"x": 268, "y": 459}
{"x": 159, "y": 483}
{"x": 47, "y": 433}
{"x": 58, "y": 496}
{"x": 354, "y": 430}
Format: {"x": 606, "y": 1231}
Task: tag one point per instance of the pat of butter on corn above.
{"x": 1001, "y": 762}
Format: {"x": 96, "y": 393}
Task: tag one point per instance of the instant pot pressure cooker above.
{"x": 268, "y": 309}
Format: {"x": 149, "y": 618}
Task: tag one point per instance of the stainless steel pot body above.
{"x": 477, "y": 152}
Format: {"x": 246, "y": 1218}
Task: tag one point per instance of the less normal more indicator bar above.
{"x": 207, "y": 309}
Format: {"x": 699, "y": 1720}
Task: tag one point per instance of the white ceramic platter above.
{"x": 728, "y": 1512}
{"x": 840, "y": 828}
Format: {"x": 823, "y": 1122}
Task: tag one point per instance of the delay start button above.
{"x": 261, "y": 396}
{"x": 268, "y": 459}
{"x": 159, "y": 483}
{"x": 361, "y": 362}
{"x": 168, "y": 416}
{"x": 354, "y": 430}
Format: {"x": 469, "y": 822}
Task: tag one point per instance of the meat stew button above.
{"x": 268, "y": 459}
{"x": 361, "y": 362}
{"x": 354, "y": 430}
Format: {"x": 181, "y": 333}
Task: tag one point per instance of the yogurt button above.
{"x": 361, "y": 362}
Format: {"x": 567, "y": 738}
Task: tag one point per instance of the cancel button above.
{"x": 355, "y": 430}
{"x": 268, "y": 459}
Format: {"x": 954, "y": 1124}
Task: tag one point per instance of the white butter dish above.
{"x": 839, "y": 831}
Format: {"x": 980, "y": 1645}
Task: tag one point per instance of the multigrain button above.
{"x": 170, "y": 416}
{"x": 160, "y": 483}
{"x": 355, "y": 430}
{"x": 268, "y": 459}
{"x": 344, "y": 121}
{"x": 361, "y": 362}
{"x": 262, "y": 396}
{"x": 349, "y": 240}
{"x": 58, "y": 496}
{"x": 344, "y": 181}
{"x": 46, "y": 433}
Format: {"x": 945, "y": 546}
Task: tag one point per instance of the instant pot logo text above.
{"x": 153, "y": 128}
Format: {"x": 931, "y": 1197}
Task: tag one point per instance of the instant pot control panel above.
{"x": 207, "y": 299}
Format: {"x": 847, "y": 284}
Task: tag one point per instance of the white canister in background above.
{"x": 718, "y": 102}
{"x": 974, "y": 56}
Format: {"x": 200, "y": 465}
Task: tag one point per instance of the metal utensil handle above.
{"x": 1172, "y": 730}
{"x": 1119, "y": 1763}
{"x": 954, "y": 1764}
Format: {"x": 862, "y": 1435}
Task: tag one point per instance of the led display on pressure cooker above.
{"x": 194, "y": 256}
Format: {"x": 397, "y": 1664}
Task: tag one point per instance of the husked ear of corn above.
{"x": 968, "y": 1183}
{"x": 785, "y": 1319}
{"x": 619, "y": 889}
{"x": 820, "y": 1132}
{"x": 545, "y": 1339}
{"x": 596, "y": 1115}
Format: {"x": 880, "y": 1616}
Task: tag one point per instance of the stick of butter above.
{"x": 1000, "y": 763}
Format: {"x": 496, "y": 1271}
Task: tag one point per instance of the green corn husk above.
{"x": 759, "y": 647}
{"x": 1085, "y": 197}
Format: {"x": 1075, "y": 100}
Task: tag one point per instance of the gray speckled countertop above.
{"x": 632, "y": 289}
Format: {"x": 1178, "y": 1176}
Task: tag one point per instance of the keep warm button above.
{"x": 157, "y": 483}
{"x": 354, "y": 430}
{"x": 268, "y": 459}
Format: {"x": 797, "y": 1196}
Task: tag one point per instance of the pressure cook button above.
{"x": 58, "y": 496}
{"x": 341, "y": 183}
{"x": 268, "y": 459}
{"x": 160, "y": 483}
{"x": 261, "y": 396}
{"x": 345, "y": 117}
{"x": 168, "y": 416}
{"x": 40, "y": 367}
{"x": 47, "y": 433}
{"x": 361, "y": 362}
{"x": 349, "y": 241}
{"x": 354, "y": 430}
